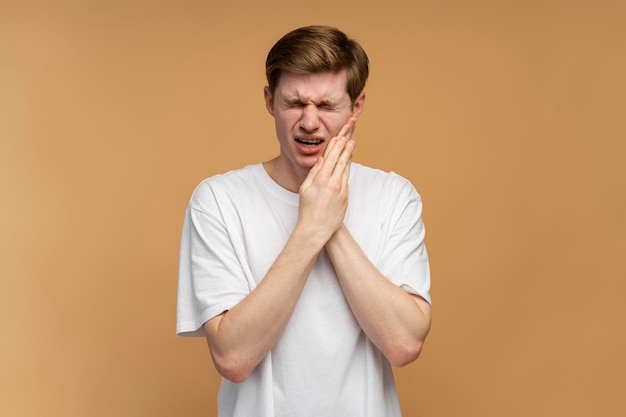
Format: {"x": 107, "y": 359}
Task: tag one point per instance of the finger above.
{"x": 331, "y": 145}
{"x": 332, "y": 154}
{"x": 343, "y": 162}
{"x": 347, "y": 129}
{"x": 346, "y": 173}
{"x": 352, "y": 128}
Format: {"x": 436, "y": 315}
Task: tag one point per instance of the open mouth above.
{"x": 309, "y": 142}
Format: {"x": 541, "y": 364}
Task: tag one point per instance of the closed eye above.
{"x": 293, "y": 104}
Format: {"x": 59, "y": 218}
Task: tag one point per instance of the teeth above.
{"x": 309, "y": 141}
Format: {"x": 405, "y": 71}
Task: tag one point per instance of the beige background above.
{"x": 508, "y": 116}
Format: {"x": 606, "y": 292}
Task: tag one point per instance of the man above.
{"x": 307, "y": 274}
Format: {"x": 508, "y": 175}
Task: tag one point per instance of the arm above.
{"x": 241, "y": 337}
{"x": 395, "y": 321}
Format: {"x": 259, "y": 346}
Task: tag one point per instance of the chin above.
{"x": 308, "y": 163}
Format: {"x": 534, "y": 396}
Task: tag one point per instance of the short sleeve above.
{"x": 210, "y": 276}
{"x": 405, "y": 259}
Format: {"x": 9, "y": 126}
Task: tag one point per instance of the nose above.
{"x": 310, "y": 119}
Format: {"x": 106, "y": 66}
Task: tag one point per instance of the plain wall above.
{"x": 508, "y": 117}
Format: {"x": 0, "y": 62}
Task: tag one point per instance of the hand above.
{"x": 324, "y": 192}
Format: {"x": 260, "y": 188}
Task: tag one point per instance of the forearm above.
{"x": 395, "y": 321}
{"x": 241, "y": 337}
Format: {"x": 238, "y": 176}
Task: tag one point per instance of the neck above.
{"x": 285, "y": 176}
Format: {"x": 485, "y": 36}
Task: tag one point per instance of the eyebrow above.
{"x": 298, "y": 100}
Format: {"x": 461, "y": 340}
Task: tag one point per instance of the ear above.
{"x": 269, "y": 100}
{"x": 357, "y": 108}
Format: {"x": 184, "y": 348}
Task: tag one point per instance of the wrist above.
{"x": 311, "y": 236}
{"x": 339, "y": 236}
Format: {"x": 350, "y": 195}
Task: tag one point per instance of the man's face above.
{"x": 308, "y": 110}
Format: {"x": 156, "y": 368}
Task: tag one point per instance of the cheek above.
{"x": 334, "y": 122}
{"x": 286, "y": 120}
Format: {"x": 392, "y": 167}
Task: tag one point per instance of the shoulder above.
{"x": 226, "y": 186}
{"x": 374, "y": 181}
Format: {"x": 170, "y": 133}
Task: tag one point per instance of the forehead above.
{"x": 322, "y": 86}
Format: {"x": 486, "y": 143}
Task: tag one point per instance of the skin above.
{"x": 309, "y": 106}
{"x": 313, "y": 107}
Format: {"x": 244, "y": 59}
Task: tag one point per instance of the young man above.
{"x": 307, "y": 274}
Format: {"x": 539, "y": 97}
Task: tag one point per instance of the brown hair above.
{"x": 313, "y": 49}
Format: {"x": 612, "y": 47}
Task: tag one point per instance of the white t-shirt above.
{"x": 323, "y": 364}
